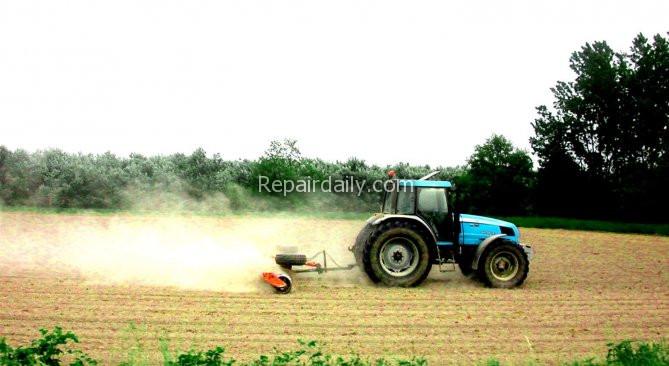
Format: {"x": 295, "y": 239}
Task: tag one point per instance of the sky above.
{"x": 385, "y": 81}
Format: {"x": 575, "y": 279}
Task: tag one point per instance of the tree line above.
{"x": 54, "y": 178}
{"x": 602, "y": 150}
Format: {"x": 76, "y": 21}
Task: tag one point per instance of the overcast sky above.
{"x": 386, "y": 81}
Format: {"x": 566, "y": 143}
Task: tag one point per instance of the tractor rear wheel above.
{"x": 359, "y": 248}
{"x": 503, "y": 266}
{"x": 397, "y": 255}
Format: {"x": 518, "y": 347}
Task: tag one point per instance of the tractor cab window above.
{"x": 433, "y": 207}
{"x": 406, "y": 201}
{"x": 431, "y": 200}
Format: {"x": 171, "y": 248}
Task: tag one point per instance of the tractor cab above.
{"x": 427, "y": 200}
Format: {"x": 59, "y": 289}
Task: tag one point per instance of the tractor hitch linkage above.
{"x": 282, "y": 282}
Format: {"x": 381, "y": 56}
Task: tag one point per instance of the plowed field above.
{"x": 194, "y": 281}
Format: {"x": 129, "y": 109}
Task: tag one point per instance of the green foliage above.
{"x": 195, "y": 182}
{"x": 628, "y": 353}
{"x": 52, "y": 349}
{"x": 49, "y": 350}
{"x": 639, "y": 353}
{"x": 499, "y": 179}
{"x": 605, "y": 144}
{"x": 308, "y": 353}
{"x": 281, "y": 162}
{"x": 588, "y": 225}
{"x": 212, "y": 357}
{"x": 18, "y": 176}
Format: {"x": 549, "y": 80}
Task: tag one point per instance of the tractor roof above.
{"x": 425, "y": 183}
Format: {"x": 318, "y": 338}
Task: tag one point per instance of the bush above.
{"x": 54, "y": 348}
{"x": 47, "y": 350}
{"x": 639, "y": 353}
{"x": 629, "y": 353}
{"x": 308, "y": 354}
{"x": 212, "y": 357}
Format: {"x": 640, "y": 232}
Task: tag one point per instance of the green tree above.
{"x": 17, "y": 176}
{"x": 280, "y": 162}
{"x": 607, "y": 134}
{"x": 499, "y": 179}
{"x": 200, "y": 172}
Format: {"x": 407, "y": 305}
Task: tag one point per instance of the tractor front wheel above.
{"x": 504, "y": 266}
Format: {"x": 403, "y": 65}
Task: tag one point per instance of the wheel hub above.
{"x": 398, "y": 257}
{"x": 504, "y": 266}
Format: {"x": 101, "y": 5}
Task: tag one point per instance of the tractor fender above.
{"x": 406, "y": 217}
{"x": 481, "y": 248}
{"x": 374, "y": 218}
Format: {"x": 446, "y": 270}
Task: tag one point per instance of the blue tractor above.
{"x": 417, "y": 228}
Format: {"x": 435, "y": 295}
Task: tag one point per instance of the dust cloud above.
{"x": 166, "y": 254}
{"x": 196, "y": 253}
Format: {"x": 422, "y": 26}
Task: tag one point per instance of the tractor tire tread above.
{"x": 518, "y": 280}
{"x": 381, "y": 229}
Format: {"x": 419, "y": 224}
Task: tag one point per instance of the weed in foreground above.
{"x": 54, "y": 348}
